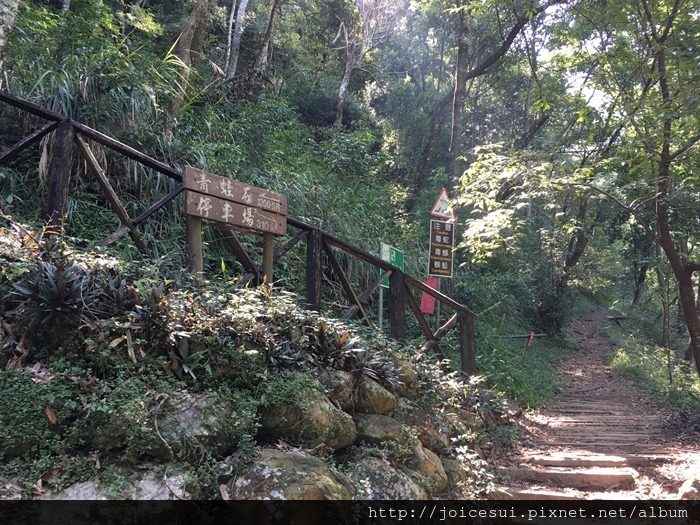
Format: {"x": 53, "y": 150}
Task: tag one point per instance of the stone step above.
{"x": 563, "y": 460}
{"x": 539, "y": 493}
{"x": 595, "y": 478}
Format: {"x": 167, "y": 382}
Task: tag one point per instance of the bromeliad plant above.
{"x": 55, "y": 295}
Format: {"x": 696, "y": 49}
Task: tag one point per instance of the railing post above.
{"x": 59, "y": 176}
{"x": 466, "y": 343}
{"x": 397, "y": 306}
{"x": 314, "y": 243}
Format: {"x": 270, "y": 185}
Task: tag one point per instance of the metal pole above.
{"x": 381, "y": 307}
{"x": 437, "y": 306}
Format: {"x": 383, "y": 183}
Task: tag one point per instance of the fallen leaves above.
{"x": 51, "y": 415}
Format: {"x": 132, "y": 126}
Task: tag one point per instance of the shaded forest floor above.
{"x": 603, "y": 438}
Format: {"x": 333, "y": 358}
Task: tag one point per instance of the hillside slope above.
{"x": 120, "y": 382}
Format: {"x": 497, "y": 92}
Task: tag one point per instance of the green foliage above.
{"x": 659, "y": 371}
{"x": 524, "y": 374}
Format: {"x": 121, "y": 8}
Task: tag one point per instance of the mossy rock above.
{"x": 165, "y": 425}
{"x": 424, "y": 426}
{"x": 297, "y": 409}
{"x": 428, "y": 464}
{"x": 377, "y": 479}
{"x": 376, "y": 429}
{"x": 339, "y": 386}
{"x": 373, "y": 398}
{"x": 290, "y": 475}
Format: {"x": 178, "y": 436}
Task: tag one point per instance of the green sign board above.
{"x": 392, "y": 256}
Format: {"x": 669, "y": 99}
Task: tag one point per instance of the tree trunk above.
{"x": 353, "y": 47}
{"x": 8, "y": 13}
{"x": 664, "y": 293}
{"x": 430, "y": 134}
{"x": 577, "y": 244}
{"x": 682, "y": 270}
{"x": 639, "y": 281}
{"x": 188, "y": 48}
{"x": 229, "y": 41}
{"x": 236, "y": 42}
{"x": 261, "y": 60}
{"x": 456, "y": 164}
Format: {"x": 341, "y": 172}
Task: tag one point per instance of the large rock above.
{"x": 462, "y": 421}
{"x": 424, "y": 426}
{"x": 290, "y": 476}
{"x": 428, "y": 465}
{"x": 196, "y": 418}
{"x": 373, "y": 398}
{"x": 375, "y": 429}
{"x": 457, "y": 474}
{"x": 408, "y": 377}
{"x": 377, "y": 479}
{"x": 690, "y": 490}
{"x": 164, "y": 429}
{"x": 339, "y": 387}
{"x": 148, "y": 486}
{"x": 315, "y": 421}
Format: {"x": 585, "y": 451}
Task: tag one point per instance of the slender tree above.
{"x": 8, "y": 12}
{"x": 235, "y": 47}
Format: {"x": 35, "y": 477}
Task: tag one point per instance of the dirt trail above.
{"x": 603, "y": 439}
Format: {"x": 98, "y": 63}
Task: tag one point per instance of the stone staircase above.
{"x": 592, "y": 449}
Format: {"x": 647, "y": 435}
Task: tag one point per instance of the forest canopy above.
{"x": 566, "y": 131}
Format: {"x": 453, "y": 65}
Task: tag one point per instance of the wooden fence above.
{"x": 318, "y": 242}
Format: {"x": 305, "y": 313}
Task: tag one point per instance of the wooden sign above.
{"x": 248, "y": 217}
{"x": 225, "y": 200}
{"x": 234, "y": 191}
{"x": 231, "y": 202}
{"x": 440, "y": 258}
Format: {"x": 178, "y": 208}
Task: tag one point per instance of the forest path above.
{"x": 603, "y": 439}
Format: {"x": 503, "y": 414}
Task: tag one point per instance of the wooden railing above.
{"x": 318, "y": 242}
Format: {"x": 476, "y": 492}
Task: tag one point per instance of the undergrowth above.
{"x": 659, "y": 371}
{"x": 96, "y": 352}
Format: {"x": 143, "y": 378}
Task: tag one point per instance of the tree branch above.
{"x": 631, "y": 210}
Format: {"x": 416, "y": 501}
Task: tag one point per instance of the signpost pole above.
{"x": 381, "y": 308}
{"x": 437, "y": 311}
{"x": 194, "y": 244}
{"x": 268, "y": 252}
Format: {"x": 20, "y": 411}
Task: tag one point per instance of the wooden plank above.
{"x": 111, "y": 195}
{"x": 128, "y": 151}
{"x": 216, "y": 209}
{"x": 314, "y": 243}
{"x": 29, "y": 107}
{"x": 444, "y": 299}
{"x": 59, "y": 176}
{"x": 432, "y": 345}
{"x": 352, "y": 311}
{"x": 235, "y": 191}
{"x": 114, "y": 237}
{"x": 345, "y": 282}
{"x": 239, "y": 251}
{"x": 397, "y": 306}
{"x": 157, "y": 205}
{"x": 11, "y": 152}
{"x": 376, "y": 261}
{"x": 289, "y": 245}
{"x": 466, "y": 343}
{"x": 415, "y": 308}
